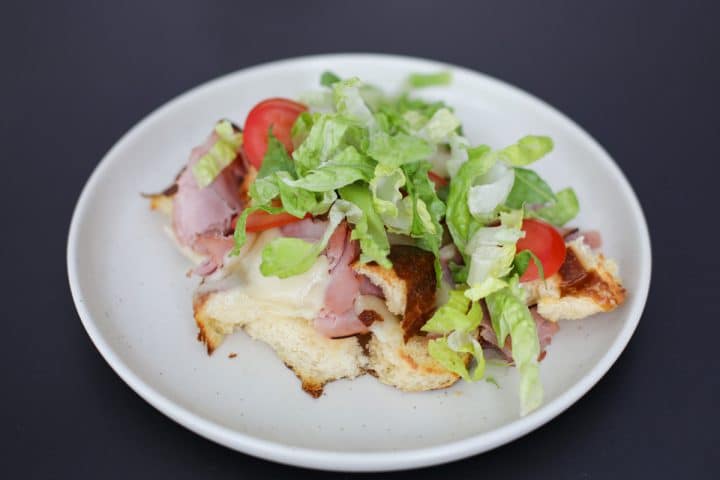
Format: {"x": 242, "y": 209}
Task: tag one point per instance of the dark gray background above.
{"x": 642, "y": 77}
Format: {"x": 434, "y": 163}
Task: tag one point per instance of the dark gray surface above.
{"x": 641, "y": 77}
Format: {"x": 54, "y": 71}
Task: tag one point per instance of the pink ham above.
{"x": 215, "y": 248}
{"x": 336, "y": 325}
{"x": 545, "y": 328}
{"x": 309, "y": 229}
{"x": 338, "y": 317}
{"x": 202, "y": 217}
{"x": 369, "y": 288}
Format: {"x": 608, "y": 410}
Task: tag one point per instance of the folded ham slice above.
{"x": 202, "y": 217}
{"x": 338, "y": 317}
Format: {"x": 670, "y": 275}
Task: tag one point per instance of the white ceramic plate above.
{"x": 130, "y": 289}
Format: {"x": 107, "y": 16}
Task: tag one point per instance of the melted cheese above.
{"x": 245, "y": 294}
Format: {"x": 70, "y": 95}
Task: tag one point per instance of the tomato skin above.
{"x": 261, "y": 220}
{"x": 437, "y": 180}
{"x": 278, "y": 113}
{"x": 546, "y": 243}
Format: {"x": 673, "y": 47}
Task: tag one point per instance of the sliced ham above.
{"x": 309, "y": 229}
{"x": 215, "y": 248}
{"x": 338, "y": 317}
{"x": 545, "y": 328}
{"x": 369, "y": 288}
{"x": 202, "y": 217}
{"x": 336, "y": 325}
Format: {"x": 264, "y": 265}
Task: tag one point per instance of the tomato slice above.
{"x": 280, "y": 113}
{"x": 437, "y": 180}
{"x": 261, "y": 220}
{"x": 546, "y": 243}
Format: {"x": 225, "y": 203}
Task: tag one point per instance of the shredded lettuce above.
{"x": 349, "y": 102}
{"x": 529, "y": 189}
{"x": 276, "y": 158}
{"x": 490, "y": 190}
{"x": 327, "y": 79}
{"x": 521, "y": 262}
{"x": 395, "y": 210}
{"x": 399, "y": 149}
{"x": 428, "y": 210}
{"x": 240, "y": 235}
{"x": 526, "y": 151}
{"x": 457, "y": 321}
{"x": 532, "y": 192}
{"x": 510, "y": 316}
{"x": 345, "y": 167}
{"x": 284, "y": 257}
{"x": 492, "y": 251}
{"x": 439, "y": 127}
{"x": 220, "y": 155}
{"x": 460, "y": 221}
{"x": 565, "y": 208}
{"x": 422, "y": 80}
{"x": 301, "y": 128}
{"x": 369, "y": 228}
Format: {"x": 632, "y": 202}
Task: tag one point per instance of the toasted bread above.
{"x": 587, "y": 283}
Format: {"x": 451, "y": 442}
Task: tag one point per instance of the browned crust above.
{"x": 203, "y": 335}
{"x": 576, "y": 280}
{"x": 369, "y": 316}
{"x": 169, "y": 191}
{"x": 311, "y": 387}
{"x": 416, "y": 268}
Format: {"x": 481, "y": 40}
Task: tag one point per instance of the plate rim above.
{"x": 371, "y": 460}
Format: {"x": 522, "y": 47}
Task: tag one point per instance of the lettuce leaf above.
{"x": 428, "y": 210}
{"x": 399, "y": 149}
{"x": 457, "y": 321}
{"x": 345, "y": 167}
{"x": 328, "y": 78}
{"x": 490, "y": 190}
{"x": 276, "y": 158}
{"x": 301, "y": 128}
{"x": 492, "y": 251}
{"x": 329, "y": 134}
{"x": 285, "y": 256}
{"x": 440, "y": 126}
{"x": 350, "y": 104}
{"x": 526, "y": 151}
{"x": 565, "y": 208}
{"x": 529, "y": 189}
{"x": 395, "y": 210}
{"x": 240, "y": 235}
{"x": 510, "y": 316}
{"x": 460, "y": 221}
{"x": 422, "y": 80}
{"x": 369, "y": 229}
{"x": 220, "y": 155}
{"x": 522, "y": 261}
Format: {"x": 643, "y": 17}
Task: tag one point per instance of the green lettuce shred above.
{"x": 220, "y": 155}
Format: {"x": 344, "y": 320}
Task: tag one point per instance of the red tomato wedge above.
{"x": 546, "y": 243}
{"x": 261, "y": 220}
{"x": 437, "y": 180}
{"x": 280, "y": 113}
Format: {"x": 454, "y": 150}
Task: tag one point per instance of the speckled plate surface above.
{"x": 130, "y": 289}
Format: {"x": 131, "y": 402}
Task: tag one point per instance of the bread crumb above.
{"x": 232, "y": 355}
